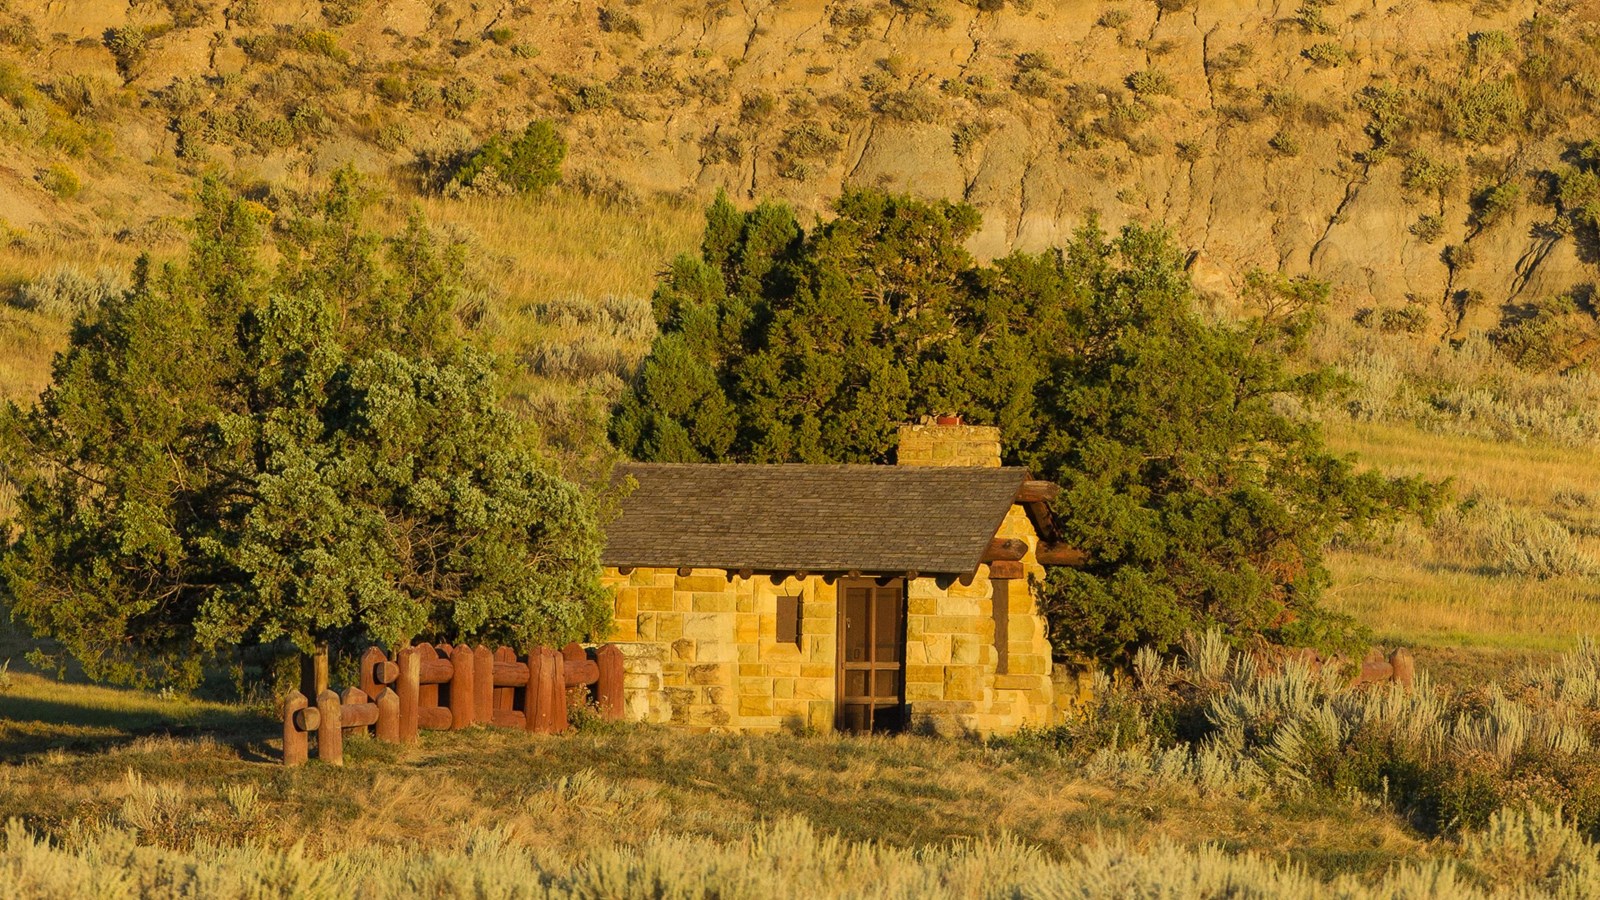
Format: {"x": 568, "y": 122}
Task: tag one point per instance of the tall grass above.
{"x": 1447, "y": 758}
{"x": 1533, "y": 854}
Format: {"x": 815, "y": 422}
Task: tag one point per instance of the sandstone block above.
{"x": 963, "y": 683}
{"x": 669, "y": 626}
{"x": 713, "y": 673}
{"x": 655, "y": 599}
{"x": 755, "y": 705}
{"x": 695, "y": 584}
{"x": 721, "y": 602}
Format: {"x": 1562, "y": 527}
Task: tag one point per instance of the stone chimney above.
{"x": 945, "y": 441}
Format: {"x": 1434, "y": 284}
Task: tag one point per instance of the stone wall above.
{"x": 702, "y": 650}
{"x": 953, "y": 680}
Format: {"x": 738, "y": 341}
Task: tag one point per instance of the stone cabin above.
{"x": 851, "y": 597}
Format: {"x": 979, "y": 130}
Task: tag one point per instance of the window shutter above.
{"x": 789, "y": 620}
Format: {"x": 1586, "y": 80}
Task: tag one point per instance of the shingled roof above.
{"x": 829, "y": 518}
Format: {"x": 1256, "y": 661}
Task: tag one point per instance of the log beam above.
{"x": 1061, "y": 555}
{"x": 1037, "y": 492}
{"x": 1006, "y": 568}
{"x": 1005, "y": 549}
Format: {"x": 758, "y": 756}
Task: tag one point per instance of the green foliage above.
{"x": 61, "y": 181}
{"x": 129, "y": 46}
{"x": 1198, "y": 501}
{"x": 525, "y": 164}
{"x": 1578, "y": 189}
{"x": 1151, "y": 82}
{"x": 1428, "y": 227}
{"x": 1219, "y": 723}
{"x": 1326, "y": 55}
{"x": 1425, "y": 175}
{"x": 1548, "y": 335}
{"x": 1484, "y": 111}
{"x": 1389, "y": 109}
{"x": 341, "y": 12}
{"x": 1493, "y": 202}
{"x": 1285, "y": 143}
{"x": 230, "y": 455}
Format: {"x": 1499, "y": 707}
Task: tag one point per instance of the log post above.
{"x": 352, "y": 697}
{"x": 574, "y": 652}
{"x": 429, "y": 696}
{"x": 463, "y": 707}
{"x": 330, "y": 736}
{"x": 370, "y": 661}
{"x": 314, "y": 671}
{"x": 483, "y": 684}
{"x": 533, "y": 706}
{"x": 294, "y": 739}
{"x": 608, "y": 688}
{"x": 410, "y": 691}
{"x": 1405, "y": 668}
{"x": 559, "y": 720}
{"x": 505, "y": 697}
{"x": 388, "y": 716}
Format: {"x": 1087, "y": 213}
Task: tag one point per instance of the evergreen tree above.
{"x": 1199, "y": 501}
{"x": 230, "y": 455}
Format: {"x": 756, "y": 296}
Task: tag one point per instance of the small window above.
{"x": 789, "y": 620}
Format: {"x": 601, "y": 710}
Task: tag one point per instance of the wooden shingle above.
{"x": 813, "y": 518}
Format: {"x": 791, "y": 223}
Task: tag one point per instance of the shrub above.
{"x": 1313, "y": 20}
{"x": 1428, "y": 227}
{"x": 1517, "y": 541}
{"x": 617, "y": 22}
{"x": 1151, "y": 82}
{"x": 128, "y": 48}
{"x": 341, "y": 12}
{"x": 913, "y": 105}
{"x": 65, "y": 293}
{"x": 1326, "y": 55}
{"x": 1459, "y": 256}
{"x": 392, "y": 89}
{"x": 526, "y": 164}
{"x": 800, "y": 145}
{"x": 1547, "y": 335}
{"x": 1492, "y": 203}
{"x": 1285, "y": 143}
{"x": 459, "y": 94}
{"x": 1484, "y": 112}
{"x": 187, "y": 13}
{"x": 502, "y": 36}
{"x": 1388, "y": 106}
{"x": 1426, "y": 175}
{"x": 1115, "y": 17}
{"x": 60, "y": 181}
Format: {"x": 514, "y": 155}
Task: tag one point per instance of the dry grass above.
{"x": 621, "y": 784}
{"x": 1435, "y": 588}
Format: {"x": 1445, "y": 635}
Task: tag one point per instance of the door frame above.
{"x": 901, "y": 585}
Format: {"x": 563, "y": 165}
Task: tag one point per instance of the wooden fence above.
{"x": 448, "y": 688}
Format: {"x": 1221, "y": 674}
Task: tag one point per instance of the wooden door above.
{"x": 872, "y": 653}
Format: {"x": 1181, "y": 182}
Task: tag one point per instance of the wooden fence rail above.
{"x": 450, "y": 688}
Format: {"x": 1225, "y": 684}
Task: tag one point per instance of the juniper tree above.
{"x": 230, "y": 454}
{"x": 1198, "y": 499}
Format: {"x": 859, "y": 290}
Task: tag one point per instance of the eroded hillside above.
{"x": 1412, "y": 152}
